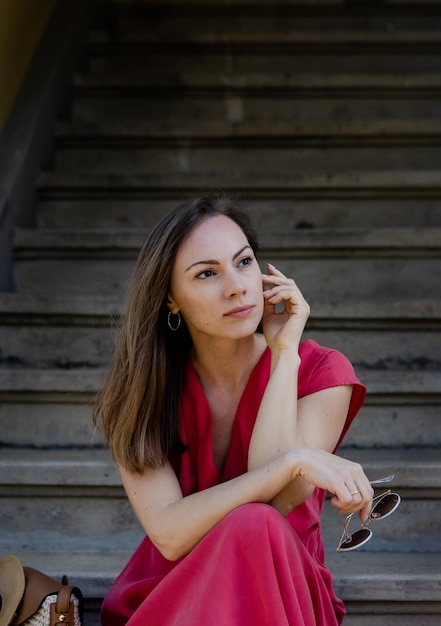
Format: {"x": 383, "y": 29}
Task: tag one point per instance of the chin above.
{"x": 247, "y": 330}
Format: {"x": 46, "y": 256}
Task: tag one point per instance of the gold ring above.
{"x": 354, "y": 492}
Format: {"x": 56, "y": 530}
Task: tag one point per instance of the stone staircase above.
{"x": 325, "y": 118}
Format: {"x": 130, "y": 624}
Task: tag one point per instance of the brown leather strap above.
{"x": 63, "y": 599}
{"x": 63, "y": 610}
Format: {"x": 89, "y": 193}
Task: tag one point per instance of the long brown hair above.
{"x": 138, "y": 404}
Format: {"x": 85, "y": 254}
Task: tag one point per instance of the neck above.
{"x": 228, "y": 364}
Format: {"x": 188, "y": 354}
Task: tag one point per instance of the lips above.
{"x": 240, "y": 311}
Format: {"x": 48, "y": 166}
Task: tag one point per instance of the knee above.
{"x": 253, "y": 512}
{"x": 253, "y": 519}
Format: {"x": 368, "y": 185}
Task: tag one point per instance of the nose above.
{"x": 234, "y": 284}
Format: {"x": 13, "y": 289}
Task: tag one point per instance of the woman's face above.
{"x": 216, "y": 283}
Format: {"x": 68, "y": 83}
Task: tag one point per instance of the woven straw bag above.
{"x": 30, "y": 598}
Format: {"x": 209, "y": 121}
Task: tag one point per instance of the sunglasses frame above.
{"x": 346, "y": 535}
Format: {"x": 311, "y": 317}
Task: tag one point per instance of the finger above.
{"x": 353, "y": 494}
{"x": 367, "y": 494}
{"x": 272, "y": 269}
{"x": 364, "y": 512}
{"x": 269, "y": 308}
{"x": 351, "y": 506}
{"x": 277, "y": 294}
{"x": 294, "y": 301}
{"x": 278, "y": 278}
{"x": 284, "y": 284}
{"x": 271, "y": 283}
{"x": 355, "y": 500}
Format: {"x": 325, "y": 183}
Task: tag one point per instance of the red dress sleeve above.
{"x": 323, "y": 368}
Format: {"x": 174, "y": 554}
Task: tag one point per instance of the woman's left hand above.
{"x": 283, "y": 329}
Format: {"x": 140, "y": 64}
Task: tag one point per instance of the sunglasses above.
{"x": 382, "y": 506}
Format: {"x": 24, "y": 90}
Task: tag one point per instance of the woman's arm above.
{"x": 320, "y": 421}
{"x": 283, "y": 422}
{"x": 175, "y": 524}
{"x": 315, "y": 421}
{"x": 277, "y": 426}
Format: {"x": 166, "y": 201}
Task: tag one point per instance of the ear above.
{"x": 171, "y": 305}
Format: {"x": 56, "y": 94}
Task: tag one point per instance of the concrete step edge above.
{"x": 358, "y": 577}
{"x": 59, "y": 381}
{"x": 16, "y": 306}
{"x": 391, "y": 577}
{"x": 248, "y": 82}
{"x": 164, "y": 40}
{"x": 88, "y": 468}
{"x": 242, "y": 134}
{"x": 357, "y": 183}
{"x": 386, "y": 239}
{"x": 414, "y": 468}
{"x": 169, "y": 5}
{"x": 87, "y": 380}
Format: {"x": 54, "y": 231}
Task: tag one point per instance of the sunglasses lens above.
{"x": 358, "y": 539}
{"x": 385, "y": 506}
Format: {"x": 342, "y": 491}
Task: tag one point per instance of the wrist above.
{"x": 286, "y": 357}
{"x": 294, "y": 458}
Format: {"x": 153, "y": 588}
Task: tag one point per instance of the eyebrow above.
{"x": 214, "y": 262}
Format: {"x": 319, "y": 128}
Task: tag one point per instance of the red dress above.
{"x": 255, "y": 567}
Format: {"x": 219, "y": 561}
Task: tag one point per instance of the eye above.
{"x": 245, "y": 261}
{"x": 205, "y": 274}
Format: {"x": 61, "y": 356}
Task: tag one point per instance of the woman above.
{"x": 224, "y": 435}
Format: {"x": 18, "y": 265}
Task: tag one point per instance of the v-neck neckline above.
{"x": 256, "y": 368}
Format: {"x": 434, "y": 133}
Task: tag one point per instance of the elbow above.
{"x": 295, "y": 493}
{"x": 170, "y": 549}
{"x": 171, "y": 554}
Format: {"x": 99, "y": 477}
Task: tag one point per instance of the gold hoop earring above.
{"x": 174, "y": 328}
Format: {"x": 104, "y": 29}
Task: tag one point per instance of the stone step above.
{"x": 334, "y": 52}
{"x": 300, "y": 242}
{"x": 45, "y": 502}
{"x": 71, "y": 500}
{"x": 400, "y": 590}
{"x": 357, "y": 184}
{"x": 306, "y": 83}
{"x": 48, "y": 408}
{"x": 157, "y": 5}
{"x": 402, "y": 408}
{"x": 274, "y": 120}
{"x": 266, "y": 38}
{"x": 64, "y": 204}
{"x": 61, "y": 332}
{"x": 57, "y": 332}
{"x": 134, "y": 21}
{"x": 407, "y": 586}
{"x": 134, "y": 156}
{"x": 142, "y": 208}
{"x": 381, "y": 591}
{"x": 397, "y": 263}
{"x": 371, "y": 184}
